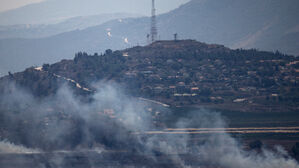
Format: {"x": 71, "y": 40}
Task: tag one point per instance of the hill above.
{"x": 266, "y": 25}
{"x": 45, "y": 30}
{"x": 179, "y": 73}
{"x": 54, "y": 11}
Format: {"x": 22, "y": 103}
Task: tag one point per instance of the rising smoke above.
{"x": 8, "y": 147}
{"x": 112, "y": 120}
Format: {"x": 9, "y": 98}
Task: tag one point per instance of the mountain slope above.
{"x": 268, "y": 25}
{"x": 54, "y": 48}
{"x": 237, "y": 23}
{"x": 179, "y": 73}
{"x": 54, "y": 11}
{"x": 39, "y": 31}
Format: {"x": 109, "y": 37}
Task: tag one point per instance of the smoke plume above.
{"x": 7, "y": 147}
{"x": 110, "y": 120}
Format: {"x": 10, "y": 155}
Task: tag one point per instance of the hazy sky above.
{"x": 54, "y": 11}
{"x": 11, "y": 4}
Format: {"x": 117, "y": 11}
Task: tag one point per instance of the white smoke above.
{"x": 126, "y": 40}
{"x": 222, "y": 150}
{"x": 128, "y": 115}
{"x": 7, "y": 147}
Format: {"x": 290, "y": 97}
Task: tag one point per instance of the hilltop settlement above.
{"x": 178, "y": 73}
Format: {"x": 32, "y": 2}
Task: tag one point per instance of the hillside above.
{"x": 179, "y": 73}
{"x": 46, "y": 30}
{"x": 268, "y": 25}
{"x": 54, "y": 11}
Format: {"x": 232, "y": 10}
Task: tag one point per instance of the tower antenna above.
{"x": 154, "y": 31}
{"x": 175, "y": 36}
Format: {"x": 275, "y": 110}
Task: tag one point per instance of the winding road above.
{"x": 89, "y": 90}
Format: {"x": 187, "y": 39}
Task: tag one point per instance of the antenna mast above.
{"x": 154, "y": 31}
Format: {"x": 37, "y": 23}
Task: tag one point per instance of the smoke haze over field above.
{"x": 63, "y": 122}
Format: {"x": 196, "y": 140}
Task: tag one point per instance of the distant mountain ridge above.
{"x": 263, "y": 24}
{"x": 41, "y": 31}
{"x": 55, "y": 11}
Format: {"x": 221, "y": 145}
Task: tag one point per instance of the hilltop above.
{"x": 262, "y": 24}
{"x": 178, "y": 73}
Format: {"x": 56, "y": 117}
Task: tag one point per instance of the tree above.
{"x": 256, "y": 144}
{"x": 108, "y": 52}
{"x": 10, "y": 74}
{"x": 46, "y": 67}
{"x": 295, "y": 149}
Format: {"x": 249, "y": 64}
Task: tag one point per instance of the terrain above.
{"x": 54, "y": 11}
{"x": 168, "y": 104}
{"x": 45, "y": 30}
{"x": 265, "y": 25}
{"x": 181, "y": 73}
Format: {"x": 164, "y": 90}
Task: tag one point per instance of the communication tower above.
{"x": 154, "y": 31}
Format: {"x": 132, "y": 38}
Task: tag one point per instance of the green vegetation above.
{"x": 183, "y": 73}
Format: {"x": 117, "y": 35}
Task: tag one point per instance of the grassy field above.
{"x": 263, "y": 121}
{"x": 238, "y": 119}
